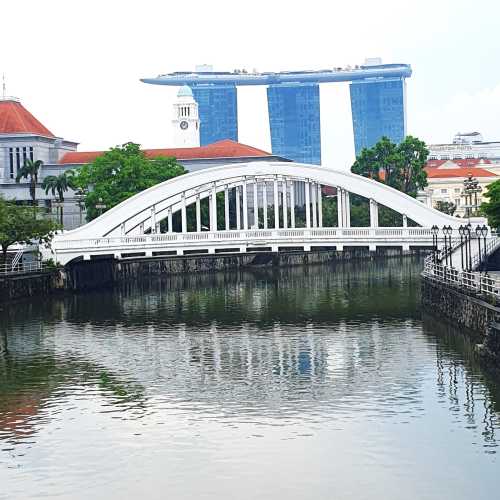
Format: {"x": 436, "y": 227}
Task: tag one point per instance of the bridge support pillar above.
{"x": 86, "y": 256}
{"x": 153, "y": 219}
{"x": 264, "y": 203}
{"x": 347, "y": 208}
{"x": 180, "y": 251}
{"x": 238, "y": 208}
{"x": 183, "y": 213}
{"x": 285, "y": 204}
{"x": 245, "y": 204}
{"x": 339, "y": 247}
{"x": 274, "y": 248}
{"x": 373, "y": 213}
{"x": 320, "y": 206}
{"x": 117, "y": 256}
{"x": 292, "y": 205}
{"x": 213, "y": 209}
{"x": 276, "y": 203}
{"x": 406, "y": 247}
{"x": 169, "y": 215}
{"x": 226, "y": 207}
{"x": 307, "y": 189}
{"x": 211, "y": 250}
{"x": 340, "y": 207}
{"x": 255, "y": 205}
{"x": 314, "y": 193}
{"x": 372, "y": 247}
{"x": 307, "y": 248}
{"x": 198, "y": 214}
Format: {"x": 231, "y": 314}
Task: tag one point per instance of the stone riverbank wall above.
{"x": 100, "y": 273}
{"x": 467, "y": 312}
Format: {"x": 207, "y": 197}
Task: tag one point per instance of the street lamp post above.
{"x": 447, "y": 230}
{"x": 480, "y": 257}
{"x": 468, "y": 257}
{"x": 461, "y": 233}
{"x": 471, "y": 188}
{"x": 435, "y": 232}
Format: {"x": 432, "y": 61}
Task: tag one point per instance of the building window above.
{"x": 457, "y": 190}
{"x": 24, "y": 155}
{"x": 31, "y": 153}
{"x": 18, "y": 159}
{"x": 11, "y": 163}
{"x": 444, "y": 191}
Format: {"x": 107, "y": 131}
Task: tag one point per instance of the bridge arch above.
{"x": 142, "y": 212}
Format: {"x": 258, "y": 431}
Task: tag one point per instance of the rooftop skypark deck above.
{"x": 271, "y": 78}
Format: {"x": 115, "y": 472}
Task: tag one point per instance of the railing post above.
{"x": 238, "y": 208}
{"x": 198, "y": 214}
{"x": 292, "y": 205}
{"x": 314, "y": 192}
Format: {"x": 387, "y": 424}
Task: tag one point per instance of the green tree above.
{"x": 17, "y": 225}
{"x": 30, "y": 171}
{"x": 59, "y": 184}
{"x": 120, "y": 173}
{"x": 491, "y": 208}
{"x": 400, "y": 166}
{"x": 447, "y": 207}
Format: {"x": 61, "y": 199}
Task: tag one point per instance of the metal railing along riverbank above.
{"x": 472, "y": 283}
{"x": 22, "y": 268}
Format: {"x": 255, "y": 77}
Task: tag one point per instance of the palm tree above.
{"x": 30, "y": 171}
{"x": 59, "y": 184}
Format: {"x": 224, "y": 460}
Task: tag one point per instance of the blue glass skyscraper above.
{"x": 294, "y": 120}
{"x": 377, "y": 102}
{"x": 378, "y": 109}
{"x": 218, "y": 111}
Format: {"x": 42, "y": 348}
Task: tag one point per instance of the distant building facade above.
{"x": 294, "y": 117}
{"x": 449, "y": 165}
{"x": 378, "y": 109}
{"x": 218, "y": 107}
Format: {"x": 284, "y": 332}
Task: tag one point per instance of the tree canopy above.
{"x": 491, "y": 208}
{"x": 17, "y": 225}
{"x": 120, "y": 173}
{"x": 400, "y": 166}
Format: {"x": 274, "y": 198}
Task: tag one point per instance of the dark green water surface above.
{"x": 305, "y": 383}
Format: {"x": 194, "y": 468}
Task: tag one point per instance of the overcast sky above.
{"x": 76, "y": 64}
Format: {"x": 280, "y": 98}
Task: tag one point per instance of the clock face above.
{"x": 184, "y": 125}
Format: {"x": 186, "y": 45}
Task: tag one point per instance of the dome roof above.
{"x": 185, "y": 91}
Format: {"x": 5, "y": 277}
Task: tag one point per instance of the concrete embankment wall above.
{"x": 468, "y": 312}
{"x": 100, "y": 273}
{"x": 38, "y": 284}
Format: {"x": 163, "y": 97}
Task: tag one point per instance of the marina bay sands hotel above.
{"x": 377, "y": 93}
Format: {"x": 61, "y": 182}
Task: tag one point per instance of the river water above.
{"x": 303, "y": 383}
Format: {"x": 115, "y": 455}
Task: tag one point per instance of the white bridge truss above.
{"x": 266, "y": 198}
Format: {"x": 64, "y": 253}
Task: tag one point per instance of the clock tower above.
{"x": 186, "y": 121}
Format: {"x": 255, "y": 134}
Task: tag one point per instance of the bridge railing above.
{"x": 472, "y": 283}
{"x": 361, "y": 233}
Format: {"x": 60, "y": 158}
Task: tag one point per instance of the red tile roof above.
{"x": 467, "y": 162}
{"x": 220, "y": 149}
{"x": 16, "y": 119}
{"x": 443, "y": 173}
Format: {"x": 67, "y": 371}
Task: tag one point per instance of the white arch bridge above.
{"x": 265, "y": 206}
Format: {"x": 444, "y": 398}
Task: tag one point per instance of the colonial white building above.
{"x": 466, "y": 146}
{"x": 449, "y": 165}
